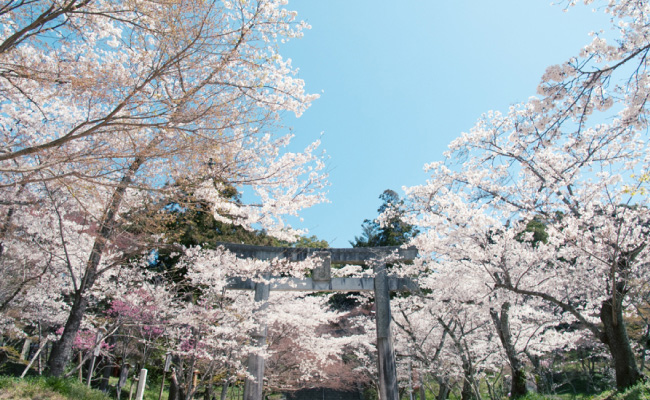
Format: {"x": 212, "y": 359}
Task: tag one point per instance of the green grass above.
{"x": 151, "y": 390}
{"x": 42, "y": 388}
{"x": 566, "y": 396}
{"x": 48, "y": 388}
{"x": 640, "y": 391}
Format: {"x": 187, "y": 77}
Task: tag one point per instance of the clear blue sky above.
{"x": 400, "y": 80}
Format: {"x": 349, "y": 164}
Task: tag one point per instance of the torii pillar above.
{"x": 253, "y": 388}
{"x": 321, "y": 281}
{"x": 385, "y": 353}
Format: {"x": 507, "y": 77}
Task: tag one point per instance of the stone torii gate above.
{"x": 322, "y": 281}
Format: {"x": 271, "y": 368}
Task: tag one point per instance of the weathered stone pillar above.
{"x": 323, "y": 273}
{"x": 385, "y": 354}
{"x": 253, "y": 388}
{"x": 142, "y": 383}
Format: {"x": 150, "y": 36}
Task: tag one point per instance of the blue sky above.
{"x": 400, "y": 80}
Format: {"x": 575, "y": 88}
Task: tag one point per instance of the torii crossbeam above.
{"x": 322, "y": 281}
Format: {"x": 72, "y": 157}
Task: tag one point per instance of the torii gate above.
{"x": 322, "y": 281}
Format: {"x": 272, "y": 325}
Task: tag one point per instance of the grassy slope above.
{"x": 638, "y": 392}
{"x": 40, "y": 388}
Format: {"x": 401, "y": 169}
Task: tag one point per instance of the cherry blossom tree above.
{"x": 41, "y": 255}
{"x": 301, "y": 345}
{"x": 561, "y": 159}
{"x": 212, "y": 330}
{"x": 449, "y": 333}
{"x": 108, "y": 104}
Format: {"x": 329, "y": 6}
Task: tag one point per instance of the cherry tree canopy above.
{"x": 107, "y": 104}
{"x": 94, "y": 90}
{"x": 562, "y": 160}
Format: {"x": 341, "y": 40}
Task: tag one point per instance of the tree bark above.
{"x": 613, "y": 334}
{"x": 224, "y": 389}
{"x": 544, "y": 378}
{"x": 207, "y": 394}
{"x": 502, "y": 324}
{"x": 108, "y": 367}
{"x": 106, "y": 375}
{"x": 175, "y": 391}
{"x": 468, "y": 391}
{"x": 124, "y": 374}
{"x": 62, "y": 349}
{"x": 615, "y": 337}
{"x": 423, "y": 390}
{"x": 444, "y": 388}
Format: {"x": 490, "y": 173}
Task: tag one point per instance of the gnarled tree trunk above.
{"x": 615, "y": 336}
{"x": 62, "y": 349}
{"x": 502, "y": 324}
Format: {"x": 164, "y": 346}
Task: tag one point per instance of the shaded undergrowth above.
{"x": 46, "y": 388}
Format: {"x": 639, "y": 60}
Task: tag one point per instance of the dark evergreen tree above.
{"x": 186, "y": 221}
{"x": 394, "y": 233}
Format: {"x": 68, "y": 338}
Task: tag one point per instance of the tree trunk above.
{"x": 444, "y": 389}
{"x": 207, "y": 394}
{"x": 106, "y": 375}
{"x": 467, "y": 393}
{"x": 175, "y": 391}
{"x": 62, "y": 349}
{"x": 124, "y": 374}
{"x": 423, "y": 390}
{"x": 502, "y": 324}
{"x": 224, "y": 389}
{"x": 543, "y": 379}
{"x": 109, "y": 366}
{"x": 614, "y": 332}
{"x": 615, "y": 337}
